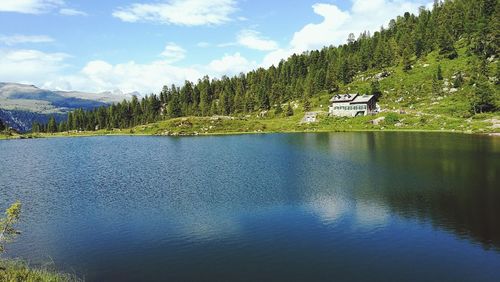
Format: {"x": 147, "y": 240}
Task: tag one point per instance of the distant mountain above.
{"x": 21, "y": 104}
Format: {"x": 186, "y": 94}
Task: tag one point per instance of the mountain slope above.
{"x": 21, "y": 104}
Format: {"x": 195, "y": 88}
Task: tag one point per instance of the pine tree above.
{"x": 436, "y": 86}
{"x": 406, "y": 60}
{"x": 52, "y": 126}
{"x": 35, "y": 127}
{"x": 2, "y": 125}
{"x": 375, "y": 89}
{"x": 278, "y": 110}
{"x": 483, "y": 99}
{"x": 289, "y": 110}
{"x": 307, "y": 104}
{"x": 439, "y": 73}
{"x": 174, "y": 107}
{"x": 446, "y": 48}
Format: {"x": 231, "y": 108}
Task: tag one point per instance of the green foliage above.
{"x": 483, "y": 99}
{"x": 391, "y": 118}
{"x": 307, "y": 104}
{"x": 436, "y": 86}
{"x": 406, "y": 60}
{"x": 458, "y": 81}
{"x": 2, "y": 125}
{"x": 16, "y": 270}
{"x": 289, "y": 110}
{"x": 375, "y": 89}
{"x": 439, "y": 73}
{"x": 52, "y": 125}
{"x": 278, "y": 110}
{"x": 7, "y": 224}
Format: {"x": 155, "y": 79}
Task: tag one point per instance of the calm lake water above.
{"x": 284, "y": 207}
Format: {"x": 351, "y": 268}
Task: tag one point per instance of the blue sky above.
{"x": 133, "y": 45}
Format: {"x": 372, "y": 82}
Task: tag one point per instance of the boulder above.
{"x": 378, "y": 121}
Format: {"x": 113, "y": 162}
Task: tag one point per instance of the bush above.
{"x": 391, "y": 118}
{"x": 16, "y": 270}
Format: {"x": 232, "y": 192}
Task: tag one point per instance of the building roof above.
{"x": 363, "y": 99}
{"x": 343, "y": 97}
{"x": 351, "y": 98}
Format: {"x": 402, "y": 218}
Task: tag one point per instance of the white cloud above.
{"x": 253, "y": 40}
{"x": 179, "y": 12}
{"x": 29, "y": 6}
{"x": 173, "y": 52}
{"x": 19, "y": 38}
{"x": 30, "y": 65}
{"x": 337, "y": 24}
{"x": 230, "y": 65}
{"x": 72, "y": 12}
{"x": 49, "y": 70}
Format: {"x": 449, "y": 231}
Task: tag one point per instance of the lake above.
{"x": 278, "y": 207}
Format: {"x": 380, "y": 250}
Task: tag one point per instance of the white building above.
{"x": 351, "y": 105}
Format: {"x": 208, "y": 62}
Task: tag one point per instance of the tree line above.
{"x": 301, "y": 76}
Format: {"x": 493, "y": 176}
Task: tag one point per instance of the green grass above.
{"x": 189, "y": 126}
{"x": 9, "y": 135}
{"x": 17, "y": 270}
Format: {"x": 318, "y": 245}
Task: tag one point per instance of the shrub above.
{"x": 391, "y": 118}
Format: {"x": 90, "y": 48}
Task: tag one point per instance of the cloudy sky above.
{"x": 134, "y": 45}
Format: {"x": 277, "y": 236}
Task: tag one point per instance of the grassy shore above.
{"x": 191, "y": 126}
{"x": 17, "y": 270}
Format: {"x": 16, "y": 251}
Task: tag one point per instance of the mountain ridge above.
{"x": 23, "y": 104}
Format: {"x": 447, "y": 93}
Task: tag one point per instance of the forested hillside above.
{"x": 449, "y": 53}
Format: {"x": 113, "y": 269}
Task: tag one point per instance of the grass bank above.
{"x": 17, "y": 270}
{"x": 221, "y": 125}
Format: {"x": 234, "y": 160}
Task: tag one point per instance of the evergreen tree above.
{"x": 375, "y": 89}
{"x": 446, "y": 47}
{"x": 436, "y": 86}
{"x": 174, "y": 107}
{"x": 52, "y": 126}
{"x": 439, "y": 73}
{"x": 289, "y": 110}
{"x": 35, "y": 127}
{"x": 307, "y": 104}
{"x": 406, "y": 60}
{"x": 2, "y": 125}
{"x": 278, "y": 110}
{"x": 483, "y": 99}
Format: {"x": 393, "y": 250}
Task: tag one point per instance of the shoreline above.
{"x": 235, "y": 133}
{"x": 229, "y": 125}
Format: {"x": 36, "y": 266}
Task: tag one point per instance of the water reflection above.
{"x": 450, "y": 180}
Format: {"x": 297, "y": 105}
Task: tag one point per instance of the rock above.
{"x": 453, "y": 90}
{"x": 398, "y": 124}
{"x": 377, "y": 121}
{"x": 382, "y": 75}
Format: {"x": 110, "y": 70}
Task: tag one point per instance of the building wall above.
{"x": 347, "y": 110}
